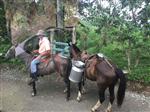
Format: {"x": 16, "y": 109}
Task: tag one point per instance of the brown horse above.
{"x": 57, "y": 63}
{"x": 105, "y": 73}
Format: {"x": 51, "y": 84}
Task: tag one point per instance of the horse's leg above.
{"x": 34, "y": 88}
{"x": 101, "y": 99}
{"x": 79, "y": 91}
{"x": 66, "y": 84}
{"x": 83, "y": 91}
{"x": 111, "y": 98}
{"x": 67, "y": 89}
{"x": 66, "y": 78}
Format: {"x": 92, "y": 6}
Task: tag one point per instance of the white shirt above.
{"x": 44, "y": 45}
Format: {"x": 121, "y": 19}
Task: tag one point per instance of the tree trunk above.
{"x": 60, "y": 14}
{"x": 128, "y": 54}
{"x": 9, "y": 28}
{"x": 131, "y": 4}
{"x": 137, "y": 60}
{"x": 10, "y": 11}
{"x": 3, "y": 29}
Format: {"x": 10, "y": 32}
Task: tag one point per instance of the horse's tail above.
{"x": 122, "y": 86}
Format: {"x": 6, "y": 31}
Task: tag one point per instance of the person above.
{"x": 43, "y": 51}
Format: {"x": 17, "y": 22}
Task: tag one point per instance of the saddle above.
{"x": 44, "y": 64}
{"x": 91, "y": 64}
{"x": 44, "y": 59}
{"x": 95, "y": 59}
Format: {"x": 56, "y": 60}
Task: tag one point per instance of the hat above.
{"x": 40, "y": 33}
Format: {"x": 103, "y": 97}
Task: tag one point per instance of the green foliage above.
{"x": 141, "y": 74}
{"x": 20, "y": 21}
{"x": 3, "y": 30}
{"x": 112, "y": 41}
{"x": 4, "y": 46}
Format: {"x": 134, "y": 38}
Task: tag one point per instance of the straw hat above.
{"x": 40, "y": 33}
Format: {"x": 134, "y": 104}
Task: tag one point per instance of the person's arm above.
{"x": 46, "y": 53}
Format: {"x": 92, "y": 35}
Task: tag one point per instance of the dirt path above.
{"x": 15, "y": 96}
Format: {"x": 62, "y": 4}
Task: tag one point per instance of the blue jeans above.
{"x": 33, "y": 65}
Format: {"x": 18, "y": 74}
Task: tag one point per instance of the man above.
{"x": 44, "y": 51}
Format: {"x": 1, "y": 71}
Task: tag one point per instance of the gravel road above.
{"x": 15, "y": 95}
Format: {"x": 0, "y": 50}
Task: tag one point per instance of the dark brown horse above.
{"x": 58, "y": 64}
{"x": 105, "y": 73}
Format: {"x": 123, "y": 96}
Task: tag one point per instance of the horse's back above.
{"x": 105, "y": 69}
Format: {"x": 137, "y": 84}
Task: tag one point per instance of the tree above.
{"x": 3, "y": 29}
{"x": 125, "y": 22}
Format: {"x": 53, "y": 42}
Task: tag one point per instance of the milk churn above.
{"x": 76, "y": 71}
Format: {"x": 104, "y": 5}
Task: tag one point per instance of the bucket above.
{"x": 77, "y": 71}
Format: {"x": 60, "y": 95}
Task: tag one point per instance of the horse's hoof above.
{"x": 108, "y": 110}
{"x": 78, "y": 99}
{"x": 65, "y": 90}
{"x": 93, "y": 110}
{"x": 33, "y": 94}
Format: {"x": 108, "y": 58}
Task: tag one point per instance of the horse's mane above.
{"x": 76, "y": 48}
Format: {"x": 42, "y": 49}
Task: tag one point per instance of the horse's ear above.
{"x": 69, "y": 43}
{"x": 85, "y": 52}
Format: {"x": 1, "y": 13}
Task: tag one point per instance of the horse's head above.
{"x": 10, "y": 53}
{"x": 15, "y": 50}
{"x": 84, "y": 55}
{"x": 74, "y": 51}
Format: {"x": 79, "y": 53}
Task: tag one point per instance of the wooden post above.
{"x": 51, "y": 39}
{"x": 74, "y": 35}
{"x": 60, "y": 14}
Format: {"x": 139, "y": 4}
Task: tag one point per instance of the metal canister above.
{"x": 77, "y": 71}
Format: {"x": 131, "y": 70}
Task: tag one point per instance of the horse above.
{"x": 56, "y": 64}
{"x": 104, "y": 73}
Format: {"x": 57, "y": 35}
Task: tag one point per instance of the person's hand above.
{"x": 35, "y": 51}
